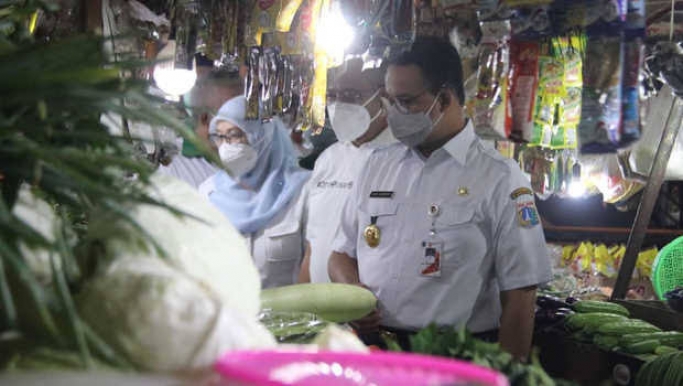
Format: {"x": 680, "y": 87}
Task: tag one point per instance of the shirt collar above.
{"x": 458, "y": 146}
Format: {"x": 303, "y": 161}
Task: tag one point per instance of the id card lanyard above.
{"x": 432, "y": 247}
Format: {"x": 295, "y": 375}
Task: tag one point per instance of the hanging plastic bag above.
{"x": 489, "y": 108}
{"x": 599, "y": 129}
{"x": 606, "y": 173}
{"x": 643, "y": 153}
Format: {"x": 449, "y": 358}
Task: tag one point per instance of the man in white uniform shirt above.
{"x": 441, "y": 228}
{"x": 355, "y": 117}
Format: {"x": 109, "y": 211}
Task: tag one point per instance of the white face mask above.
{"x": 238, "y": 158}
{"x": 349, "y": 121}
{"x": 411, "y": 128}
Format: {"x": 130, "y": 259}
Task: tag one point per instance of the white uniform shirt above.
{"x": 334, "y": 176}
{"x": 277, "y": 249}
{"x": 492, "y": 243}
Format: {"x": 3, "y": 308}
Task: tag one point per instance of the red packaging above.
{"x": 523, "y": 85}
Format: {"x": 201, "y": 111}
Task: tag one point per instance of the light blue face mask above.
{"x": 411, "y": 129}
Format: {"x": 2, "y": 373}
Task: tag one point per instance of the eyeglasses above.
{"x": 234, "y": 136}
{"x": 404, "y": 104}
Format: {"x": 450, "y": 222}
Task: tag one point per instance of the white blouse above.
{"x": 278, "y": 249}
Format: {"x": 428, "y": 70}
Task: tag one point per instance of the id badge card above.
{"x": 431, "y": 257}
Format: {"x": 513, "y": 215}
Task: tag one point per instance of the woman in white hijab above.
{"x": 263, "y": 194}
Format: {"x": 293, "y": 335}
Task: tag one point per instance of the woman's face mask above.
{"x": 238, "y": 158}
{"x": 411, "y": 129}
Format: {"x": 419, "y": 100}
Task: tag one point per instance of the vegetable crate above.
{"x": 585, "y": 363}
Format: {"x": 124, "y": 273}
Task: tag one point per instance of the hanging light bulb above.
{"x": 171, "y": 76}
{"x": 576, "y": 187}
{"x": 175, "y": 74}
{"x": 335, "y": 35}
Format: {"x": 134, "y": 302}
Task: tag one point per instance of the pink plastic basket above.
{"x": 273, "y": 368}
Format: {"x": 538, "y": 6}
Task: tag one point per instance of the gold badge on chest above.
{"x": 372, "y": 233}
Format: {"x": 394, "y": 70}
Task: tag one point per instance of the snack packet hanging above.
{"x": 558, "y": 160}
{"x": 318, "y": 97}
{"x": 270, "y": 16}
{"x": 489, "y": 107}
{"x": 550, "y": 78}
{"x": 633, "y": 60}
{"x": 218, "y": 28}
{"x": 634, "y": 54}
{"x": 269, "y": 72}
{"x": 568, "y": 115}
{"x": 523, "y": 87}
{"x": 286, "y": 15}
{"x": 253, "y": 84}
{"x": 263, "y": 18}
{"x": 599, "y": 129}
{"x": 289, "y": 48}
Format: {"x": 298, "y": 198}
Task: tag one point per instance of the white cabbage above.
{"x": 209, "y": 250}
{"x": 37, "y": 214}
{"x": 162, "y": 319}
{"x": 182, "y": 311}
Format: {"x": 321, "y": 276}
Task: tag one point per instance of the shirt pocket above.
{"x": 384, "y": 216}
{"x": 457, "y": 225}
{"x": 284, "y": 242}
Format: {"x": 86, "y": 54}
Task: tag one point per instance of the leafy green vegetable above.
{"x": 54, "y": 145}
{"x": 460, "y": 344}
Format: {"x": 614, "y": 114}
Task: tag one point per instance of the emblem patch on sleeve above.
{"x": 517, "y": 193}
{"x": 527, "y": 215}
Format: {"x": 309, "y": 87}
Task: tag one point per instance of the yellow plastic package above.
{"x": 568, "y": 254}
{"x": 550, "y": 79}
{"x": 571, "y": 50}
{"x": 645, "y": 260}
{"x": 582, "y": 259}
{"x": 604, "y": 263}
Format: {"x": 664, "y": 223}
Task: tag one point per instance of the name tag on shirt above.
{"x": 381, "y": 194}
{"x": 432, "y": 256}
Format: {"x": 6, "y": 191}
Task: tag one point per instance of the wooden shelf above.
{"x": 658, "y": 237}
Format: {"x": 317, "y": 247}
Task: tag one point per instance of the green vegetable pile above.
{"x": 607, "y": 326}
{"x": 460, "y": 344}
{"x": 665, "y": 370}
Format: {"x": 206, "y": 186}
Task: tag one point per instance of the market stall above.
{"x": 586, "y": 96}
